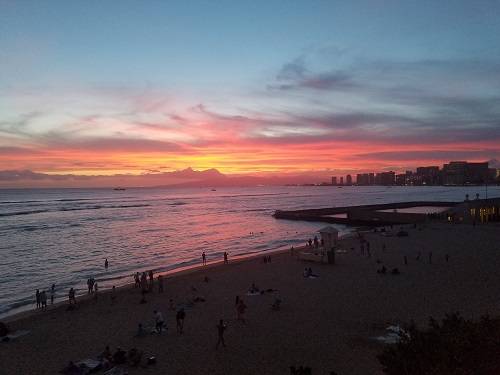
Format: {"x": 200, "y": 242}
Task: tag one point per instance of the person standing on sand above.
{"x": 221, "y": 327}
{"x": 160, "y": 284}
{"x": 180, "y": 320}
{"x": 43, "y": 299}
{"x": 159, "y": 321}
{"x": 225, "y": 257}
{"x": 52, "y": 293}
{"x": 37, "y": 294}
{"x": 151, "y": 280}
{"x": 137, "y": 280}
{"x": 240, "y": 309}
{"x": 106, "y": 264}
{"x": 204, "y": 258}
{"x": 71, "y": 295}
{"x": 113, "y": 295}
{"x": 144, "y": 282}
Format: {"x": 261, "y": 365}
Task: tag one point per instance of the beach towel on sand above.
{"x": 253, "y": 293}
{"x": 89, "y": 363}
{"x": 116, "y": 371}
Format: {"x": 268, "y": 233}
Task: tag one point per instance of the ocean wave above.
{"x": 251, "y": 195}
{"x": 16, "y": 213}
{"x": 62, "y": 209}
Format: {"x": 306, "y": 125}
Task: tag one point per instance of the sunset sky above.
{"x": 117, "y": 87}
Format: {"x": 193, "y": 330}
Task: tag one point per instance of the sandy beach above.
{"x": 328, "y": 323}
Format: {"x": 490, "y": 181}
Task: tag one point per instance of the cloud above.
{"x": 367, "y": 115}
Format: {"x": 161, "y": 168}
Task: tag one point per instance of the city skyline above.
{"x": 262, "y": 89}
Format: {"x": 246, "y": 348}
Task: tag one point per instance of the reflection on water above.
{"x": 62, "y": 236}
{"x": 418, "y": 210}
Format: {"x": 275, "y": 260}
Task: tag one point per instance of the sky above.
{"x": 100, "y": 88}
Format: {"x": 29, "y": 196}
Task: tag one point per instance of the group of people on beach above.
{"x": 92, "y": 285}
{"x": 41, "y": 297}
{"x": 204, "y": 258}
{"x": 141, "y": 281}
{"x": 316, "y": 242}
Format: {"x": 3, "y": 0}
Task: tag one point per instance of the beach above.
{"x": 328, "y": 323}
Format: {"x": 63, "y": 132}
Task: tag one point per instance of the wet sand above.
{"x": 326, "y": 323}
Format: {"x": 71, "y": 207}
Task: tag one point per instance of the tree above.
{"x": 455, "y": 346}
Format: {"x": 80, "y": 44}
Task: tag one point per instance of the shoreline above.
{"x": 170, "y": 274}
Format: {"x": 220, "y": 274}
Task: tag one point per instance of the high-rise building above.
{"x": 334, "y": 180}
{"x": 348, "y": 179}
{"x": 341, "y": 180}
{"x": 462, "y": 172}
{"x": 427, "y": 176}
{"x": 385, "y": 178}
{"x": 371, "y": 178}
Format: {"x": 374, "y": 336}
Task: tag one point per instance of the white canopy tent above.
{"x": 330, "y": 237}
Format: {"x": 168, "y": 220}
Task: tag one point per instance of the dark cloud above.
{"x": 411, "y": 155}
{"x": 9, "y": 175}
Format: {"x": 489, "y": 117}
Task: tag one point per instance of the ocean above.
{"x": 63, "y": 236}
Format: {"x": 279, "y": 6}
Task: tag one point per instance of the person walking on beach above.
{"x": 180, "y": 320}
{"x": 106, "y": 264}
{"x": 160, "y": 284}
{"x": 89, "y": 287}
{"x": 52, "y": 293}
{"x": 159, "y": 321}
{"x": 71, "y": 295}
{"x": 38, "y": 303}
{"x": 225, "y": 257}
{"x": 204, "y": 258}
{"x": 221, "y": 327}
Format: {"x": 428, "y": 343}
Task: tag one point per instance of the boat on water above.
{"x": 119, "y": 188}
